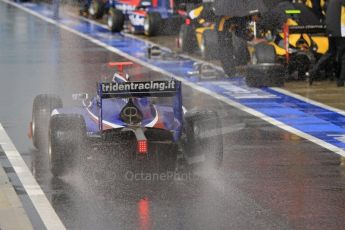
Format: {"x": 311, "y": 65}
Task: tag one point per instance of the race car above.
{"x": 144, "y": 120}
{"x": 144, "y": 16}
{"x": 297, "y": 45}
{"x": 197, "y": 33}
{"x": 276, "y": 48}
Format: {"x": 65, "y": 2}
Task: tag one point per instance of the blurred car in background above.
{"x": 297, "y": 37}
{"x": 142, "y": 121}
{"x": 149, "y": 17}
{"x": 198, "y": 33}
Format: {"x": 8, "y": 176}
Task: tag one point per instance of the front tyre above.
{"x": 152, "y": 24}
{"x": 67, "y": 134}
{"x": 208, "y": 47}
{"x": 116, "y": 20}
{"x": 42, "y": 108}
{"x": 187, "y": 38}
{"x": 233, "y": 52}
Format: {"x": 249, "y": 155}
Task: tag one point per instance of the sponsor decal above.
{"x": 109, "y": 89}
{"x": 125, "y": 7}
{"x": 338, "y": 137}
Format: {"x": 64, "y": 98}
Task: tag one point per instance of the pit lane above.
{"x": 270, "y": 179}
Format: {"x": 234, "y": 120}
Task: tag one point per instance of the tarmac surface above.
{"x": 270, "y": 179}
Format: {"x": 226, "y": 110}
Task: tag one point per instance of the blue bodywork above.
{"x": 101, "y": 114}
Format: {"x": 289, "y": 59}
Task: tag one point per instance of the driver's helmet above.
{"x": 120, "y": 77}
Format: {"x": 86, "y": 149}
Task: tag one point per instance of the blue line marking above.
{"x": 321, "y": 123}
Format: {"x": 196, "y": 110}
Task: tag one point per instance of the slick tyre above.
{"x": 42, "y": 108}
{"x": 241, "y": 53}
{"x": 265, "y": 75}
{"x": 208, "y": 48}
{"x": 67, "y": 134}
{"x": 204, "y": 138}
{"x": 152, "y": 24}
{"x": 232, "y": 52}
{"x": 116, "y": 20}
{"x": 187, "y": 38}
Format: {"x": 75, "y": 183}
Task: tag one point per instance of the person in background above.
{"x": 335, "y": 23}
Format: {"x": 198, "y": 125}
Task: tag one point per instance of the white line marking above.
{"x": 228, "y": 101}
{"x": 34, "y": 191}
{"x": 310, "y": 101}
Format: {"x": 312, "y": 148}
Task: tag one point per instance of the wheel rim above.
{"x": 110, "y": 21}
{"x": 146, "y": 25}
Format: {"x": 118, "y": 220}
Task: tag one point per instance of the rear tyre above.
{"x": 241, "y": 53}
{"x": 204, "y": 138}
{"x": 67, "y": 133}
{"x": 265, "y": 75}
{"x": 209, "y": 48}
{"x": 232, "y": 52}
{"x": 42, "y": 108}
{"x": 96, "y": 9}
{"x": 116, "y": 20}
{"x": 152, "y": 23}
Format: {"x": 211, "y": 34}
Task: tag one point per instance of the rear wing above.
{"x": 139, "y": 89}
{"x": 304, "y": 29}
{"x": 316, "y": 30}
{"x": 170, "y": 88}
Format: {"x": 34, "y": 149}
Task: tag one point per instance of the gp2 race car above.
{"x": 144, "y": 16}
{"x": 282, "y": 44}
{"x": 144, "y": 117}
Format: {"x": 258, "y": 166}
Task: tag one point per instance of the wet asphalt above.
{"x": 270, "y": 179}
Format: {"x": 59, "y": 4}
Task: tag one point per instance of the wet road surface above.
{"x": 270, "y": 179}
